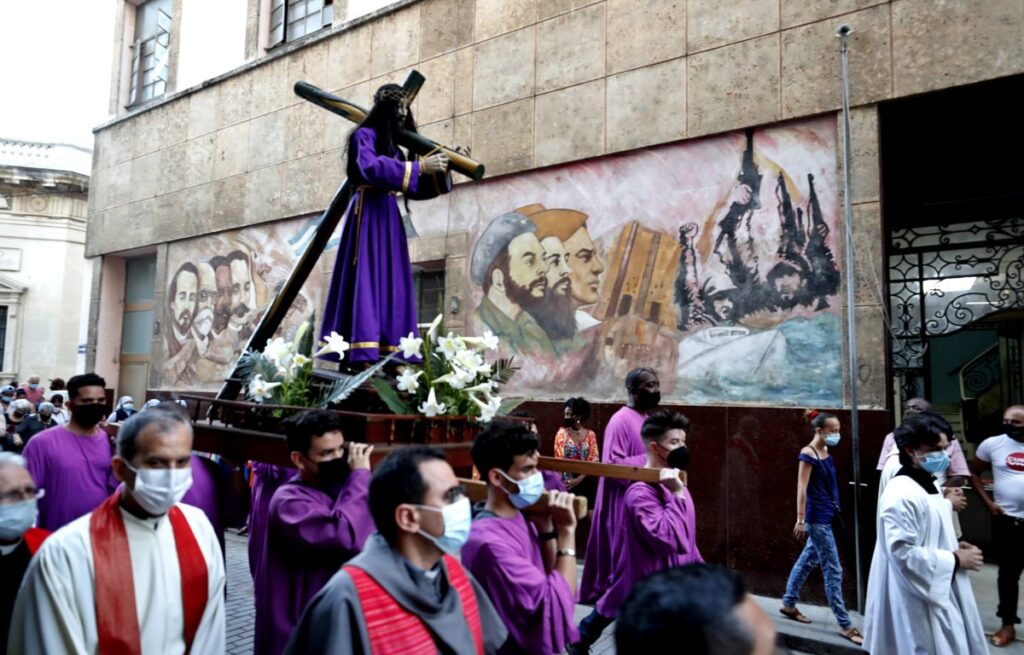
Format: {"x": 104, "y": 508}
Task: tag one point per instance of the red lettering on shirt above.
{"x": 1015, "y": 462}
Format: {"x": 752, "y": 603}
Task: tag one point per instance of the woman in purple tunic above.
{"x": 371, "y": 300}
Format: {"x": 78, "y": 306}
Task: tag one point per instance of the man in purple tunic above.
{"x": 371, "y": 301}
{"x": 318, "y": 521}
{"x": 72, "y": 462}
{"x": 266, "y": 479}
{"x": 525, "y": 563}
{"x": 658, "y": 530}
{"x": 622, "y": 445}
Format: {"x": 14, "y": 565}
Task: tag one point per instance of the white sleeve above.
{"x": 926, "y": 573}
{"x": 46, "y": 618}
{"x": 984, "y": 451}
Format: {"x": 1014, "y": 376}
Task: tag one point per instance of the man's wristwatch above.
{"x": 799, "y": 521}
{"x": 566, "y": 552}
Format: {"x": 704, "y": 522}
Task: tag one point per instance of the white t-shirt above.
{"x": 1007, "y": 458}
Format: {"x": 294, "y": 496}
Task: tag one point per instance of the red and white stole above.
{"x": 117, "y": 620}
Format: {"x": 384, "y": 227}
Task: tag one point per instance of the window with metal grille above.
{"x": 428, "y": 282}
{"x": 150, "y": 51}
{"x": 3, "y": 333}
{"x": 292, "y": 19}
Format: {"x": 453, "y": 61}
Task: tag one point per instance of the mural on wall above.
{"x": 712, "y": 261}
{"x": 217, "y": 288}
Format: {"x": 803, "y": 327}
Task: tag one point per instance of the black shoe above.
{"x": 577, "y": 649}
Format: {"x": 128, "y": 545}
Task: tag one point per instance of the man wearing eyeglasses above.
{"x": 18, "y": 539}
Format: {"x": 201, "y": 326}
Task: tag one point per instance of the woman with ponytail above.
{"x": 817, "y": 507}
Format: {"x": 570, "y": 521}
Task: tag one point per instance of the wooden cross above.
{"x": 417, "y": 144}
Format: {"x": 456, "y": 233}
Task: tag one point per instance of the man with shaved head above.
{"x": 1004, "y": 456}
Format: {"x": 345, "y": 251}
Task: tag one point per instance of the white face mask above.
{"x": 457, "y": 517}
{"x": 158, "y": 490}
{"x": 16, "y": 518}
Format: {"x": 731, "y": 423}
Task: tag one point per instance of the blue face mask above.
{"x": 33, "y": 386}
{"x": 832, "y": 439}
{"x": 457, "y": 517}
{"x": 934, "y": 463}
{"x": 531, "y": 488}
{"x": 7, "y": 399}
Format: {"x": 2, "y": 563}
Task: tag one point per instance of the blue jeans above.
{"x": 820, "y": 550}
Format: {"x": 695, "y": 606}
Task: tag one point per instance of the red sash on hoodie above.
{"x": 117, "y": 620}
{"x": 34, "y": 538}
{"x": 393, "y": 630}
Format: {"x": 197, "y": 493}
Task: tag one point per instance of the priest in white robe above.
{"x": 919, "y": 597}
{"x": 141, "y": 574}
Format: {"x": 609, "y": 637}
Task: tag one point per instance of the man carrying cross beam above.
{"x": 523, "y": 557}
{"x": 371, "y": 301}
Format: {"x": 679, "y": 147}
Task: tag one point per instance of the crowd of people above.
{"x": 116, "y": 544}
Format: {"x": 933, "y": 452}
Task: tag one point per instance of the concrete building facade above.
{"x": 637, "y": 119}
{"x": 44, "y": 276}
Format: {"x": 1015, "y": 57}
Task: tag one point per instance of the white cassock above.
{"x": 916, "y": 605}
{"x": 56, "y": 608}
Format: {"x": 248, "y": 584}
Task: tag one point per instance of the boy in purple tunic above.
{"x": 525, "y": 562}
{"x": 318, "y": 521}
{"x": 266, "y": 479}
{"x": 72, "y": 462}
{"x": 371, "y": 301}
{"x": 658, "y": 529}
{"x": 622, "y": 445}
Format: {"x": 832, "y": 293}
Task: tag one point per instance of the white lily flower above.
{"x": 432, "y": 332}
{"x": 407, "y": 380}
{"x": 449, "y": 346}
{"x": 300, "y": 360}
{"x": 457, "y": 379}
{"x": 260, "y": 389}
{"x": 487, "y": 342}
{"x": 411, "y": 346}
{"x": 335, "y": 343}
{"x": 431, "y": 407}
{"x": 488, "y": 409}
{"x": 276, "y": 350}
{"x": 467, "y": 359}
{"x": 482, "y": 387}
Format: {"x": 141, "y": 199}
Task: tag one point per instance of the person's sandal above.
{"x": 1003, "y": 637}
{"x": 793, "y": 614}
{"x": 853, "y": 634}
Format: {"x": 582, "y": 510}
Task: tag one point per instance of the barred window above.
{"x": 292, "y": 19}
{"x": 428, "y": 284}
{"x": 150, "y": 51}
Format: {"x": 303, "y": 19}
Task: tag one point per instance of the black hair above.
{"x": 783, "y": 269}
{"x": 817, "y": 419}
{"x": 690, "y": 605}
{"x": 383, "y": 120}
{"x": 633, "y": 377}
{"x": 300, "y": 429}
{"x": 156, "y": 417}
{"x": 235, "y": 256}
{"x": 395, "y": 481}
{"x": 660, "y": 423}
{"x": 499, "y": 443}
{"x": 526, "y": 414}
{"x": 924, "y": 429}
{"x": 579, "y": 407}
{"x": 84, "y": 380}
{"x": 187, "y": 267}
{"x": 20, "y": 392}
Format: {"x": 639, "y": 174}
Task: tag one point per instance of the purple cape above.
{"x": 207, "y": 493}
{"x": 310, "y": 534}
{"x": 622, "y": 445}
{"x": 504, "y": 555}
{"x": 74, "y": 470}
{"x": 371, "y": 301}
{"x": 266, "y": 478}
{"x": 659, "y": 533}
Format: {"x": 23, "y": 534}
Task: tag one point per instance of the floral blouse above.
{"x": 567, "y": 448}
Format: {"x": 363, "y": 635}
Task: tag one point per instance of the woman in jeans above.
{"x": 817, "y": 504}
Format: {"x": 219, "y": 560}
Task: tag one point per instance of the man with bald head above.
{"x": 19, "y": 541}
{"x": 1004, "y": 456}
{"x": 508, "y": 263}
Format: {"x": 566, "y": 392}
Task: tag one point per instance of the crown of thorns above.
{"x": 392, "y": 93}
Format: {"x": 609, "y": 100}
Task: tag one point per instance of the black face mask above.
{"x": 679, "y": 458}
{"x": 88, "y": 416}
{"x": 1015, "y": 432}
{"x": 334, "y": 470}
{"x": 569, "y": 422}
{"x": 647, "y": 399}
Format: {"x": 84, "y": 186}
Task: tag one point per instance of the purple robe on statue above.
{"x": 371, "y": 301}
{"x": 622, "y": 445}
{"x": 311, "y": 532}
{"x": 659, "y": 532}
{"x": 266, "y": 478}
{"x": 74, "y": 470}
{"x": 504, "y": 556}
